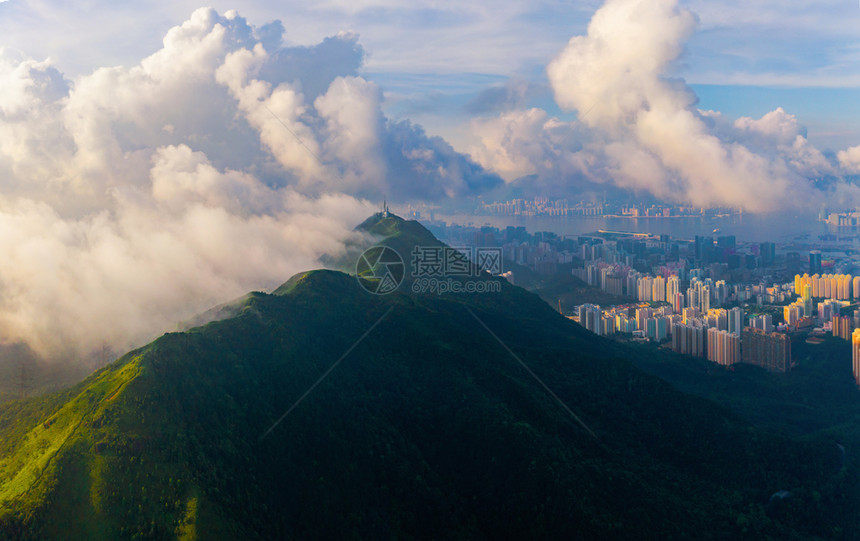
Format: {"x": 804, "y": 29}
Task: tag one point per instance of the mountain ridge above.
{"x": 429, "y": 427}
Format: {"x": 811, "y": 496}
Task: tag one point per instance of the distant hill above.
{"x": 428, "y": 428}
{"x": 24, "y": 373}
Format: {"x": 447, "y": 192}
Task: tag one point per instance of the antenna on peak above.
{"x": 384, "y": 207}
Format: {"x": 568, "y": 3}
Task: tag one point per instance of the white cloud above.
{"x": 135, "y": 197}
{"x": 850, "y": 159}
{"x": 777, "y": 126}
{"x": 354, "y": 125}
{"x": 525, "y": 142}
{"x": 639, "y": 128}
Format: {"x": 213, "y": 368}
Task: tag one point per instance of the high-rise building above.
{"x": 767, "y": 252}
{"x": 631, "y": 284}
{"x": 807, "y": 300}
{"x": 642, "y": 315}
{"x": 827, "y": 309}
{"x": 704, "y": 246}
{"x": 855, "y": 349}
{"x": 645, "y": 288}
{"x": 690, "y": 313}
{"x": 658, "y": 289}
{"x": 688, "y": 339}
{"x": 843, "y": 326}
{"x": 592, "y": 274}
{"x": 792, "y": 313}
{"x": 844, "y": 287}
{"x": 723, "y": 347}
{"x": 656, "y": 328}
{"x": 771, "y": 351}
{"x": 736, "y": 320}
{"x": 677, "y": 338}
{"x": 662, "y": 328}
{"x": 673, "y": 286}
{"x": 719, "y": 318}
{"x": 590, "y": 317}
{"x": 721, "y": 292}
{"x": 814, "y": 262}
{"x": 763, "y": 322}
{"x": 613, "y": 285}
{"x": 607, "y": 325}
{"x": 692, "y": 297}
{"x": 799, "y": 282}
{"x": 678, "y": 303}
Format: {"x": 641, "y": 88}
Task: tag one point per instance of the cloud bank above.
{"x": 134, "y": 197}
{"x": 639, "y": 128}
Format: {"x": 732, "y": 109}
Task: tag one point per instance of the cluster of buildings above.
{"x": 541, "y": 206}
{"x": 722, "y": 335}
{"x": 770, "y": 350}
{"x": 837, "y": 293}
{"x": 703, "y": 293}
{"x": 717, "y": 335}
{"x": 610, "y": 264}
{"x": 840, "y": 294}
{"x": 637, "y": 319}
{"x": 543, "y": 252}
{"x": 666, "y": 211}
{"x": 687, "y": 298}
{"x": 828, "y": 286}
{"x": 610, "y": 257}
{"x": 842, "y": 220}
{"x": 688, "y": 291}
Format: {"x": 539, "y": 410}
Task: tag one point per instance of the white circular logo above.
{"x": 380, "y": 270}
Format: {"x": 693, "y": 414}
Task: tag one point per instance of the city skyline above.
{"x": 710, "y": 297}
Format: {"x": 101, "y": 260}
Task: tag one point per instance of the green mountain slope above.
{"x": 429, "y": 428}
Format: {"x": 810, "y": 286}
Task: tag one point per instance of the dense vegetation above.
{"x": 429, "y": 428}
{"x": 817, "y": 398}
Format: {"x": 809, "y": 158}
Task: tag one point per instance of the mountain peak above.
{"x": 321, "y": 281}
{"x": 382, "y": 229}
{"x": 382, "y": 223}
{"x": 387, "y": 225}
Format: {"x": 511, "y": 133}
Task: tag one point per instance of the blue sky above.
{"x": 431, "y": 58}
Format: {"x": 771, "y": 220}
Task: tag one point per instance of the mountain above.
{"x": 322, "y": 411}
